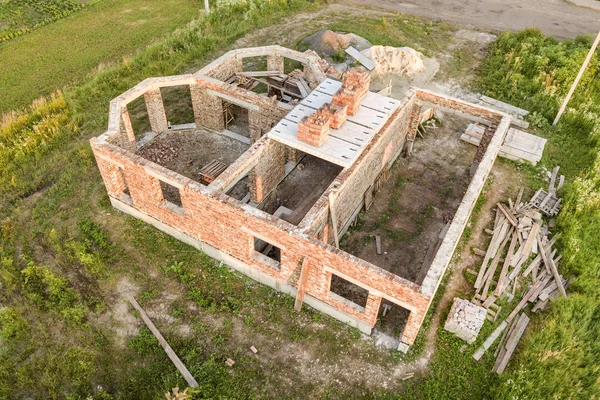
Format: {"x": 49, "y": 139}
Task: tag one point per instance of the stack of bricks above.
{"x": 336, "y": 114}
{"x": 355, "y": 87}
{"x": 314, "y": 129}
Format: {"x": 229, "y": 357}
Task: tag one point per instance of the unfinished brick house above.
{"x": 227, "y": 182}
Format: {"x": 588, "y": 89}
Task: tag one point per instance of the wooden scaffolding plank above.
{"x": 302, "y": 284}
{"x": 511, "y": 343}
{"x": 174, "y": 358}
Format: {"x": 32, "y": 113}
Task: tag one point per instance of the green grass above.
{"x": 21, "y": 16}
{"x": 71, "y": 49}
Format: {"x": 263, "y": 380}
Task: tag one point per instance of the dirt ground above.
{"x": 554, "y": 17}
{"x": 421, "y": 195}
{"x": 187, "y": 151}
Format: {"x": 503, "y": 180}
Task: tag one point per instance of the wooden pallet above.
{"x": 211, "y": 170}
{"x": 546, "y": 202}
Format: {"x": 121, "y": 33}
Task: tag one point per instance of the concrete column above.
{"x": 208, "y": 109}
{"x": 156, "y": 110}
{"x": 275, "y": 62}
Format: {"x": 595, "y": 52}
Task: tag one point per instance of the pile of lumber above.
{"x": 287, "y": 86}
{"x": 520, "y": 254}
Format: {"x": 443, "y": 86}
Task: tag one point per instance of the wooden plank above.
{"x": 508, "y": 214}
{"x": 361, "y": 58}
{"x": 302, "y": 284}
{"x": 333, "y": 221}
{"x": 525, "y": 299}
{"x": 499, "y": 234}
{"x": 492, "y": 270}
{"x": 174, "y": 358}
{"x": 259, "y": 73}
{"x": 504, "y": 271}
{"x": 511, "y": 343}
{"x": 551, "y": 187}
{"x": 490, "y": 340}
{"x": 549, "y": 262}
{"x": 378, "y": 243}
{"x": 520, "y": 196}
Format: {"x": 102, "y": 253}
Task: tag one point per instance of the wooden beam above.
{"x": 302, "y": 284}
{"x": 333, "y": 221}
{"x": 504, "y": 271}
{"x": 508, "y": 214}
{"x": 579, "y": 75}
{"x": 176, "y": 361}
{"x": 550, "y": 264}
{"x": 511, "y": 344}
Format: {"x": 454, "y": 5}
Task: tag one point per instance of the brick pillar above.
{"x": 313, "y": 129}
{"x": 413, "y": 125}
{"x": 275, "y": 63}
{"x": 268, "y": 172}
{"x": 355, "y": 86}
{"x": 372, "y": 308}
{"x": 336, "y": 114}
{"x": 145, "y": 190}
{"x": 112, "y": 177}
{"x": 156, "y": 110}
{"x": 208, "y": 109}
{"x": 415, "y": 319}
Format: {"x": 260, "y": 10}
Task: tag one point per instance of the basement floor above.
{"x": 301, "y": 189}
{"x": 188, "y": 151}
{"x": 421, "y": 195}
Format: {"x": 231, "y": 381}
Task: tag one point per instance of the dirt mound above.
{"x": 329, "y": 43}
{"x": 403, "y": 60}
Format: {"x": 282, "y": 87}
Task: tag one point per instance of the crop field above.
{"x": 68, "y": 50}
{"x": 67, "y": 257}
{"x": 18, "y": 17}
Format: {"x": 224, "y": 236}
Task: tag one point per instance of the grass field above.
{"x": 70, "y": 49}
{"x": 66, "y": 256}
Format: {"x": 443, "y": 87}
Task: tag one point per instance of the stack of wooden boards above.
{"x": 520, "y": 252}
{"x": 517, "y": 145}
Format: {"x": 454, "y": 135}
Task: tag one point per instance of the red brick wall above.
{"x": 223, "y": 223}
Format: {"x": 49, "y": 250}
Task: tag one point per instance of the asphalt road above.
{"x": 554, "y": 17}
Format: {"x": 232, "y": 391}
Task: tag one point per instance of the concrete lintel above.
{"x": 263, "y": 237}
{"x": 231, "y": 99}
{"x": 178, "y": 183}
{"x": 371, "y": 289}
{"x": 242, "y": 267}
{"x": 109, "y": 160}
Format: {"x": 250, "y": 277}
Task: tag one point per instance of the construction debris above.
{"x": 465, "y": 319}
{"x": 528, "y": 257}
